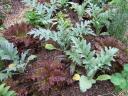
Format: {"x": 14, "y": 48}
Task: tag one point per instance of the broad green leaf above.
{"x": 126, "y": 67}
{"x": 103, "y": 77}
{"x": 49, "y": 47}
{"x": 123, "y": 84}
{"x": 85, "y": 83}
{"x": 116, "y": 79}
{"x": 5, "y": 90}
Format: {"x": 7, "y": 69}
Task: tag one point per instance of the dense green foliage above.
{"x": 120, "y": 80}
{"x": 82, "y": 55}
{"x": 63, "y": 35}
{"x": 119, "y": 15}
{"x": 4, "y": 91}
{"x": 18, "y": 62}
{"x": 41, "y": 14}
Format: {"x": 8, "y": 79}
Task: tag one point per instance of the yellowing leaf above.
{"x": 49, "y": 47}
{"x": 103, "y": 77}
{"x": 76, "y": 77}
{"x": 11, "y": 66}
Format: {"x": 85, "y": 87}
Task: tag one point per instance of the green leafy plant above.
{"x": 41, "y": 13}
{"x": 60, "y": 37}
{"x": 63, "y": 35}
{"x": 18, "y": 62}
{"x": 6, "y": 6}
{"x": 63, "y": 2}
{"x": 59, "y": 3}
{"x": 100, "y": 3}
{"x": 100, "y": 18}
{"x": 5, "y": 1}
{"x": 120, "y": 80}
{"x": 2, "y": 17}
{"x": 63, "y": 22}
{"x": 82, "y": 28}
{"x": 2, "y": 27}
{"x": 119, "y": 15}
{"x": 33, "y": 18}
{"x": 4, "y": 90}
{"x": 80, "y": 9}
{"x": 82, "y": 55}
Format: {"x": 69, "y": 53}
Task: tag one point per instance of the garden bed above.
{"x": 63, "y": 48}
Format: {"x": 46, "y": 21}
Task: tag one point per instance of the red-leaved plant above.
{"x": 17, "y": 34}
{"x": 48, "y": 75}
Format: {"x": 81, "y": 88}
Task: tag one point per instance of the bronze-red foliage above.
{"x": 48, "y": 75}
{"x": 17, "y": 34}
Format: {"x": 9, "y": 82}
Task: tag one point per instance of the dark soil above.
{"x": 104, "y": 88}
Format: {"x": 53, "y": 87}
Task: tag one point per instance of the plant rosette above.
{"x": 48, "y": 75}
{"x": 18, "y": 35}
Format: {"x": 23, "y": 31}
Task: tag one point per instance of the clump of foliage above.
{"x": 49, "y": 75}
{"x": 17, "y": 62}
{"x": 120, "y": 80}
{"x": 100, "y": 18}
{"x": 82, "y": 55}
{"x": 4, "y": 91}
{"x": 63, "y": 35}
{"x": 2, "y": 17}
{"x": 33, "y": 18}
{"x": 118, "y": 25}
{"x": 18, "y": 35}
{"x": 42, "y": 13}
{"x": 17, "y": 31}
{"x": 80, "y": 9}
{"x": 98, "y": 15}
{"x": 63, "y": 3}
{"x": 6, "y": 6}
{"x": 5, "y": 1}
{"x": 64, "y": 31}
{"x": 100, "y": 3}
{"x": 5, "y": 9}
{"x": 63, "y": 22}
